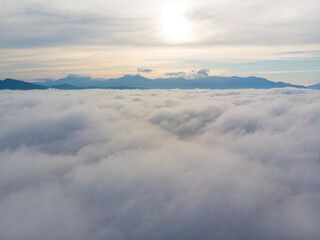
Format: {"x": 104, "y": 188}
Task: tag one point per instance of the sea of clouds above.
{"x": 160, "y": 164}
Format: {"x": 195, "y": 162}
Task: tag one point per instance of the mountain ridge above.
{"x": 14, "y": 84}
{"x": 137, "y": 81}
{"x": 74, "y": 82}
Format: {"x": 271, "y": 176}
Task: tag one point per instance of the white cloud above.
{"x": 160, "y": 164}
{"x": 36, "y": 23}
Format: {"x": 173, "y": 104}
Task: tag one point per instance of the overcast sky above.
{"x": 278, "y": 40}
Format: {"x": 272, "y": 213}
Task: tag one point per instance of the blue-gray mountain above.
{"x": 315, "y": 86}
{"x": 12, "y": 84}
{"x": 19, "y": 85}
{"x": 136, "y": 81}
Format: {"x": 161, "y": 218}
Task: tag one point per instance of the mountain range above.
{"x": 72, "y": 82}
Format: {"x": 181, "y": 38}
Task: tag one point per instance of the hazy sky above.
{"x": 278, "y": 40}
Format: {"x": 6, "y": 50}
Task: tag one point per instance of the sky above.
{"x": 160, "y": 164}
{"x": 278, "y": 40}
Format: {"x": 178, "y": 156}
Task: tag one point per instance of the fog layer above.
{"x": 160, "y": 164}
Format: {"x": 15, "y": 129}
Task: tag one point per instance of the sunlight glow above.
{"x": 175, "y": 26}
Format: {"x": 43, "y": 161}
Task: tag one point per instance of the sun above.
{"x": 175, "y": 25}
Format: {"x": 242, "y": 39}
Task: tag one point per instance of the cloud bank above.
{"x": 160, "y": 164}
{"x": 144, "y": 70}
{"x": 175, "y": 74}
{"x": 195, "y": 73}
{"x": 45, "y": 23}
{"x": 201, "y": 72}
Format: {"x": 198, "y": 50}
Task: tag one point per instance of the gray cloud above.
{"x": 54, "y": 26}
{"x": 35, "y": 24}
{"x": 258, "y": 22}
{"x": 144, "y": 70}
{"x": 191, "y": 74}
{"x": 159, "y": 164}
{"x": 175, "y": 74}
{"x": 202, "y": 72}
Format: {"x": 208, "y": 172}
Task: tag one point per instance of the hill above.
{"x": 13, "y": 84}
{"x": 315, "y": 86}
{"x": 139, "y": 82}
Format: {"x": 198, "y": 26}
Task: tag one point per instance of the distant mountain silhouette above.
{"x": 71, "y": 87}
{"x": 88, "y": 82}
{"x": 139, "y": 82}
{"x": 65, "y": 86}
{"x": 72, "y": 79}
{"x": 13, "y": 84}
{"x": 123, "y": 87}
{"x": 315, "y": 86}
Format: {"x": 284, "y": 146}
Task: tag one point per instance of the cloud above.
{"x": 242, "y": 25}
{"x": 190, "y": 74}
{"x": 202, "y": 72}
{"x": 175, "y": 74}
{"x": 159, "y": 164}
{"x": 144, "y": 70}
{"x": 58, "y": 25}
{"x": 33, "y": 24}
